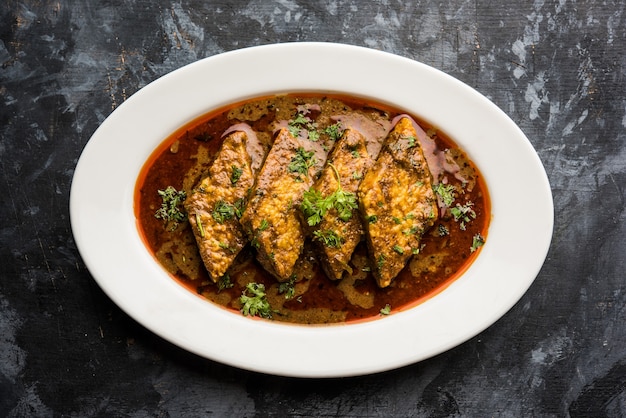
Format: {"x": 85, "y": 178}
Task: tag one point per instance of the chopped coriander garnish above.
{"x": 386, "y": 310}
{"x": 225, "y": 246}
{"x": 443, "y": 230}
{"x": 303, "y": 122}
{"x": 300, "y": 119}
{"x": 199, "y": 225}
{"x": 170, "y": 210}
{"x": 235, "y": 175}
{"x": 223, "y": 211}
{"x": 477, "y": 242}
{"x": 239, "y": 206}
{"x": 314, "y": 135}
{"x": 411, "y": 140}
{"x": 263, "y": 225}
{"x": 294, "y": 130}
{"x": 372, "y": 219}
{"x": 411, "y": 231}
{"x": 302, "y": 161}
{"x": 255, "y": 239}
{"x": 344, "y": 203}
{"x": 445, "y": 192}
{"x": 298, "y": 123}
{"x": 288, "y": 288}
{"x": 398, "y": 249}
{"x": 329, "y": 238}
{"x": 355, "y": 154}
{"x": 254, "y": 301}
{"x": 334, "y": 131}
{"x": 381, "y": 261}
{"x": 224, "y": 283}
{"x": 314, "y": 205}
{"x": 463, "y": 214}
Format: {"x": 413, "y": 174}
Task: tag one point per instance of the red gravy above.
{"x": 184, "y": 157}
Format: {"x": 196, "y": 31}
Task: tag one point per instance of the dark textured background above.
{"x": 557, "y": 68}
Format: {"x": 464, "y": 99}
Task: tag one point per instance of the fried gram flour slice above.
{"x": 397, "y": 202}
{"x": 345, "y": 168}
{"x": 216, "y": 204}
{"x": 270, "y": 218}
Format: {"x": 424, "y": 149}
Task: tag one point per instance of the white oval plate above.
{"x": 105, "y": 229}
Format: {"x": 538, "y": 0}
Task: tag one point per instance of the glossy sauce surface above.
{"x": 184, "y": 157}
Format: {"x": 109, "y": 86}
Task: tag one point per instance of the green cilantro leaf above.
{"x": 300, "y": 119}
{"x": 398, "y": 249}
{"x": 445, "y": 192}
{"x": 254, "y": 301}
{"x": 477, "y": 242}
{"x": 224, "y": 283}
{"x": 300, "y": 122}
{"x": 314, "y": 135}
{"x": 463, "y": 214}
{"x": 334, "y": 131}
{"x": 386, "y": 310}
{"x": 171, "y": 206}
{"x": 314, "y": 206}
{"x": 235, "y": 174}
{"x": 239, "y": 206}
{"x": 345, "y": 203}
{"x": 294, "y": 130}
{"x": 199, "y": 225}
{"x": 288, "y": 288}
{"x": 224, "y": 211}
{"x": 329, "y": 238}
{"x": 302, "y": 161}
{"x": 381, "y": 261}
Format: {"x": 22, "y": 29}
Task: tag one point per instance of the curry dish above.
{"x": 312, "y": 209}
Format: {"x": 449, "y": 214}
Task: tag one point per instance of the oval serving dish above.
{"x": 105, "y": 229}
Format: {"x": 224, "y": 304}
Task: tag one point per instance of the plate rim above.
{"x": 311, "y": 342}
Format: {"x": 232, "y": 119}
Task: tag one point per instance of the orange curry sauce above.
{"x": 184, "y": 157}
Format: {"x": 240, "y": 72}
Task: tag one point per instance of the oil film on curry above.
{"x": 312, "y": 209}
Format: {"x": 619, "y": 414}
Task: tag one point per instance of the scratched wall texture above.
{"x": 556, "y": 67}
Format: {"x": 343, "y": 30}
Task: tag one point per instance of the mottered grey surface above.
{"x": 557, "y": 68}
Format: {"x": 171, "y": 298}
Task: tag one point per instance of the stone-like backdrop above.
{"x": 557, "y": 68}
